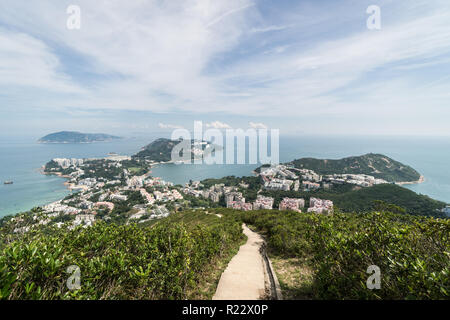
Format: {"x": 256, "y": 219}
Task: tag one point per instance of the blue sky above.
{"x": 307, "y": 66}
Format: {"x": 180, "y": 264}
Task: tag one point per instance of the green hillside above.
{"x": 350, "y": 199}
{"x": 327, "y": 256}
{"x": 377, "y": 165}
{"x": 362, "y": 200}
{"x": 159, "y": 150}
{"x": 181, "y": 257}
{"x": 167, "y": 260}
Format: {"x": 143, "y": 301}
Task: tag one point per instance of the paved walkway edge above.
{"x": 275, "y": 288}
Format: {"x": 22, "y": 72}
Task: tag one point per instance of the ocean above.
{"x": 21, "y": 158}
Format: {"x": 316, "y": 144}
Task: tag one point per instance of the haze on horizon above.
{"x": 306, "y": 66}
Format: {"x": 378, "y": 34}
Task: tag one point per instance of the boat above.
{"x": 8, "y": 182}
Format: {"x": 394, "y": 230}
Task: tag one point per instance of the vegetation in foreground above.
{"x": 327, "y": 256}
{"x": 182, "y": 257}
{"x": 162, "y": 261}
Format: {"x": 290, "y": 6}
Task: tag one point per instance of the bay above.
{"x": 21, "y": 158}
{"x": 430, "y": 156}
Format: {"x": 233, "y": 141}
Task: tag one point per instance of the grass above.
{"x": 134, "y": 170}
{"x": 295, "y": 277}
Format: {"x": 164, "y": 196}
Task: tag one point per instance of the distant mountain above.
{"x": 160, "y": 150}
{"x": 76, "y": 137}
{"x": 377, "y": 165}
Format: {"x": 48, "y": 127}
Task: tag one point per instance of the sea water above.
{"x": 21, "y": 159}
{"x": 429, "y": 156}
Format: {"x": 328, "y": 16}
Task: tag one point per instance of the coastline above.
{"x": 41, "y": 202}
{"x": 69, "y": 185}
{"x": 72, "y": 142}
{"x": 421, "y": 180}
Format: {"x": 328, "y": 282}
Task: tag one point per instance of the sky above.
{"x": 303, "y": 67}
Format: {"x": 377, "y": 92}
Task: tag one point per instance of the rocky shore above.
{"x": 421, "y": 180}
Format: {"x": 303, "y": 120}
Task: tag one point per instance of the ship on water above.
{"x": 8, "y": 182}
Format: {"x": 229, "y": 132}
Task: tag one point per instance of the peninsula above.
{"x": 376, "y": 165}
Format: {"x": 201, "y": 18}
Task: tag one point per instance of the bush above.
{"x": 412, "y": 252}
{"x": 116, "y": 262}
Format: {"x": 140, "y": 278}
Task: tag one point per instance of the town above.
{"x": 121, "y": 189}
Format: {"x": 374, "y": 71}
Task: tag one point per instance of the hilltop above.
{"x": 76, "y": 137}
{"x": 376, "y": 165}
{"x": 160, "y": 150}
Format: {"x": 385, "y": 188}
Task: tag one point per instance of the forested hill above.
{"x": 76, "y": 137}
{"x": 158, "y": 150}
{"x": 377, "y": 165}
{"x": 350, "y": 199}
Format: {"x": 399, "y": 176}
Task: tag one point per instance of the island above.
{"x": 77, "y": 137}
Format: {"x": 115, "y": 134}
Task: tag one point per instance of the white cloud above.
{"x": 257, "y": 125}
{"x": 268, "y": 29}
{"x": 218, "y": 125}
{"x": 276, "y": 50}
{"x": 224, "y": 15}
{"x": 149, "y": 55}
{"x": 199, "y": 57}
{"x": 169, "y": 126}
{"x": 26, "y": 61}
{"x": 304, "y": 82}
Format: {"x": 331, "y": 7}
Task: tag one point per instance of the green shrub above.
{"x": 412, "y": 252}
{"x": 116, "y": 262}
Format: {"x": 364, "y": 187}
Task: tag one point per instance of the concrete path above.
{"x": 245, "y": 277}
